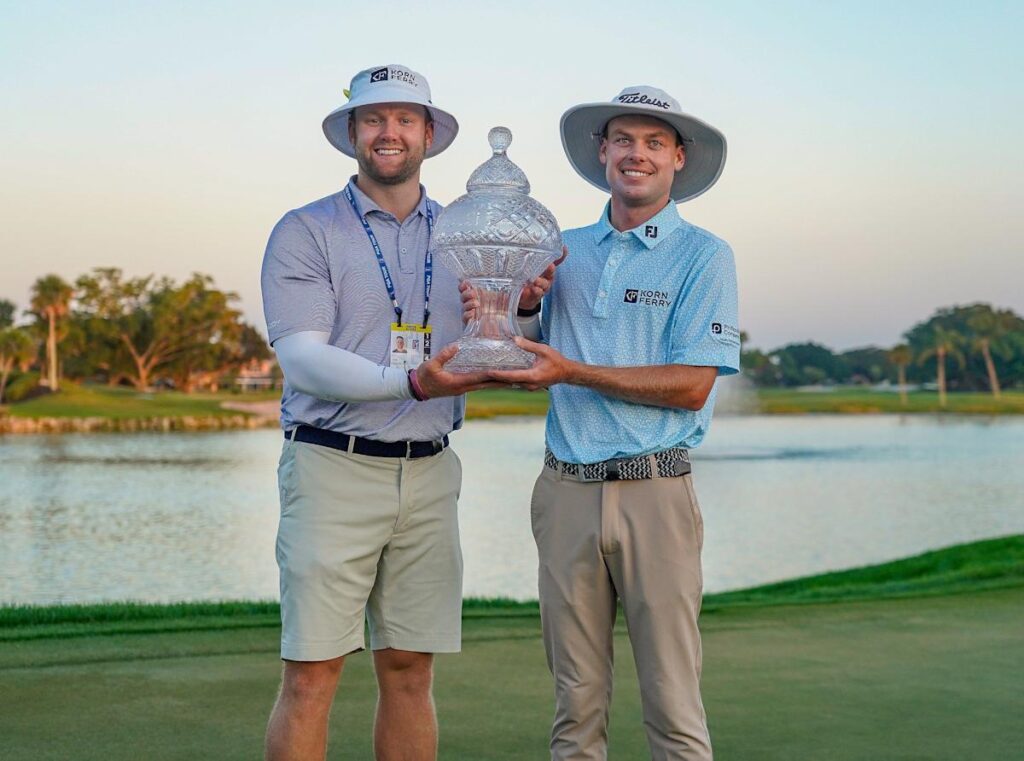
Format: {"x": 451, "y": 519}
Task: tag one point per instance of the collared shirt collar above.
{"x": 367, "y": 204}
{"x": 650, "y": 233}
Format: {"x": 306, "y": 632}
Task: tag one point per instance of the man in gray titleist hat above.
{"x": 357, "y": 313}
{"x": 638, "y": 325}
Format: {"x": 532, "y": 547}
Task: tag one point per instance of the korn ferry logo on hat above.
{"x": 389, "y": 84}
{"x": 583, "y": 129}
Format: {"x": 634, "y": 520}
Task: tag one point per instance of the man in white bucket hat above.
{"x": 637, "y": 327}
{"x": 368, "y": 485}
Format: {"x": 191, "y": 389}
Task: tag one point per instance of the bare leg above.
{"x": 406, "y": 725}
{"x": 297, "y": 730}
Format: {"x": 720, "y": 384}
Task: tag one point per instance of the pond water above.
{"x": 162, "y": 517}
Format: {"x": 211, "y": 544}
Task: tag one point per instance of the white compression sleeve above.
{"x": 530, "y": 326}
{"x": 311, "y": 365}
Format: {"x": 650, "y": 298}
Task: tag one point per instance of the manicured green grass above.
{"x": 910, "y": 679}
{"x": 853, "y": 401}
{"x": 770, "y": 401}
{"x": 971, "y": 567}
{"x": 493, "y": 402}
{"x": 75, "y": 401}
{"x": 988, "y": 564}
{"x": 84, "y": 401}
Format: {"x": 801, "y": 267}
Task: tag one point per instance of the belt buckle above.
{"x": 611, "y": 470}
{"x": 408, "y": 450}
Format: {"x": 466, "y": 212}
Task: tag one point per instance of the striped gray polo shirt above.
{"x": 320, "y": 273}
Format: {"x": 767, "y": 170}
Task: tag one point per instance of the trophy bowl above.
{"x": 497, "y": 239}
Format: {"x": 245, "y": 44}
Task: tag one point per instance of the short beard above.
{"x": 408, "y": 169}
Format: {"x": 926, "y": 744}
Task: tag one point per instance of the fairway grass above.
{"x": 889, "y": 675}
{"x": 86, "y": 401}
{"x": 854, "y": 401}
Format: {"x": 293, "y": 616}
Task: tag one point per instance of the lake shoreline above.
{"x": 234, "y": 416}
{"x": 91, "y": 409}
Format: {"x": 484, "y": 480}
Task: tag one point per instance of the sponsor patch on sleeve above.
{"x": 725, "y": 333}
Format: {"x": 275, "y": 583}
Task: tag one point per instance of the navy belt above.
{"x": 346, "y": 443}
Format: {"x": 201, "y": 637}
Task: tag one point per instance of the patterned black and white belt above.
{"x": 664, "y": 464}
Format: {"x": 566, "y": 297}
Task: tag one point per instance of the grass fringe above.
{"x": 970, "y": 567}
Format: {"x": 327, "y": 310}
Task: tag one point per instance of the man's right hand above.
{"x": 435, "y": 381}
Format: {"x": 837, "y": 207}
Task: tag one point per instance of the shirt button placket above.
{"x": 607, "y": 279}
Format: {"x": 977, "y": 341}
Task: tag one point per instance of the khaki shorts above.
{"x": 374, "y": 538}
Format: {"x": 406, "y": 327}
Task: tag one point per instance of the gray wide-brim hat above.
{"x": 582, "y": 128}
{"x": 389, "y": 84}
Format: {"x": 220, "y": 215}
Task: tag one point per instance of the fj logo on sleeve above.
{"x": 651, "y": 231}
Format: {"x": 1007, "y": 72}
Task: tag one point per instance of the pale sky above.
{"x": 875, "y": 162}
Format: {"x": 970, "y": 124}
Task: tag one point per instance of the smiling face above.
{"x": 391, "y": 140}
{"x": 641, "y": 155}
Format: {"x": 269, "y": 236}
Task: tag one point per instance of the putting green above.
{"x": 921, "y": 678}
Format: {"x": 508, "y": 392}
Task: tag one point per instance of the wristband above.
{"x": 528, "y": 312}
{"x": 416, "y": 388}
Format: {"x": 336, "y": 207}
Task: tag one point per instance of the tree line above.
{"x": 138, "y": 331}
{"x": 150, "y": 331}
{"x": 965, "y": 348}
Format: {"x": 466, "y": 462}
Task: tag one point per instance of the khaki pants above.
{"x": 638, "y": 542}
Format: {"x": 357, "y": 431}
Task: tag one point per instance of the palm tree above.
{"x": 51, "y": 301}
{"x": 901, "y": 356}
{"x": 945, "y": 343}
{"x": 16, "y": 348}
{"x": 987, "y": 327}
{"x": 7, "y": 311}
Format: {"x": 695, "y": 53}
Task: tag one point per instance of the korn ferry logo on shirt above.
{"x": 646, "y": 297}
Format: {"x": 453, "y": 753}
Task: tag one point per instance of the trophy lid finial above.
{"x": 500, "y": 139}
{"x": 498, "y": 173}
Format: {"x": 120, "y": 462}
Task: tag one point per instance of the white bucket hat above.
{"x": 582, "y": 128}
{"x": 389, "y": 84}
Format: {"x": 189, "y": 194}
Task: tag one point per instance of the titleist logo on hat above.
{"x": 639, "y": 97}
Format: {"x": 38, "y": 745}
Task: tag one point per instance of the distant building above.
{"x": 258, "y": 375}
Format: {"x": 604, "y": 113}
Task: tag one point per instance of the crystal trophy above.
{"x": 498, "y": 239}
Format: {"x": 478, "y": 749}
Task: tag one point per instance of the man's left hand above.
{"x": 534, "y": 291}
{"x": 549, "y": 368}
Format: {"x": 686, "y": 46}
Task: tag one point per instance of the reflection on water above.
{"x": 193, "y": 515}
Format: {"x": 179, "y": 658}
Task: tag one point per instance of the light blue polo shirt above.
{"x": 662, "y": 293}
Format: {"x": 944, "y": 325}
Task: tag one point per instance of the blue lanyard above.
{"x": 428, "y": 261}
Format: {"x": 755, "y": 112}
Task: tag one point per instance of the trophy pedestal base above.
{"x": 483, "y": 354}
